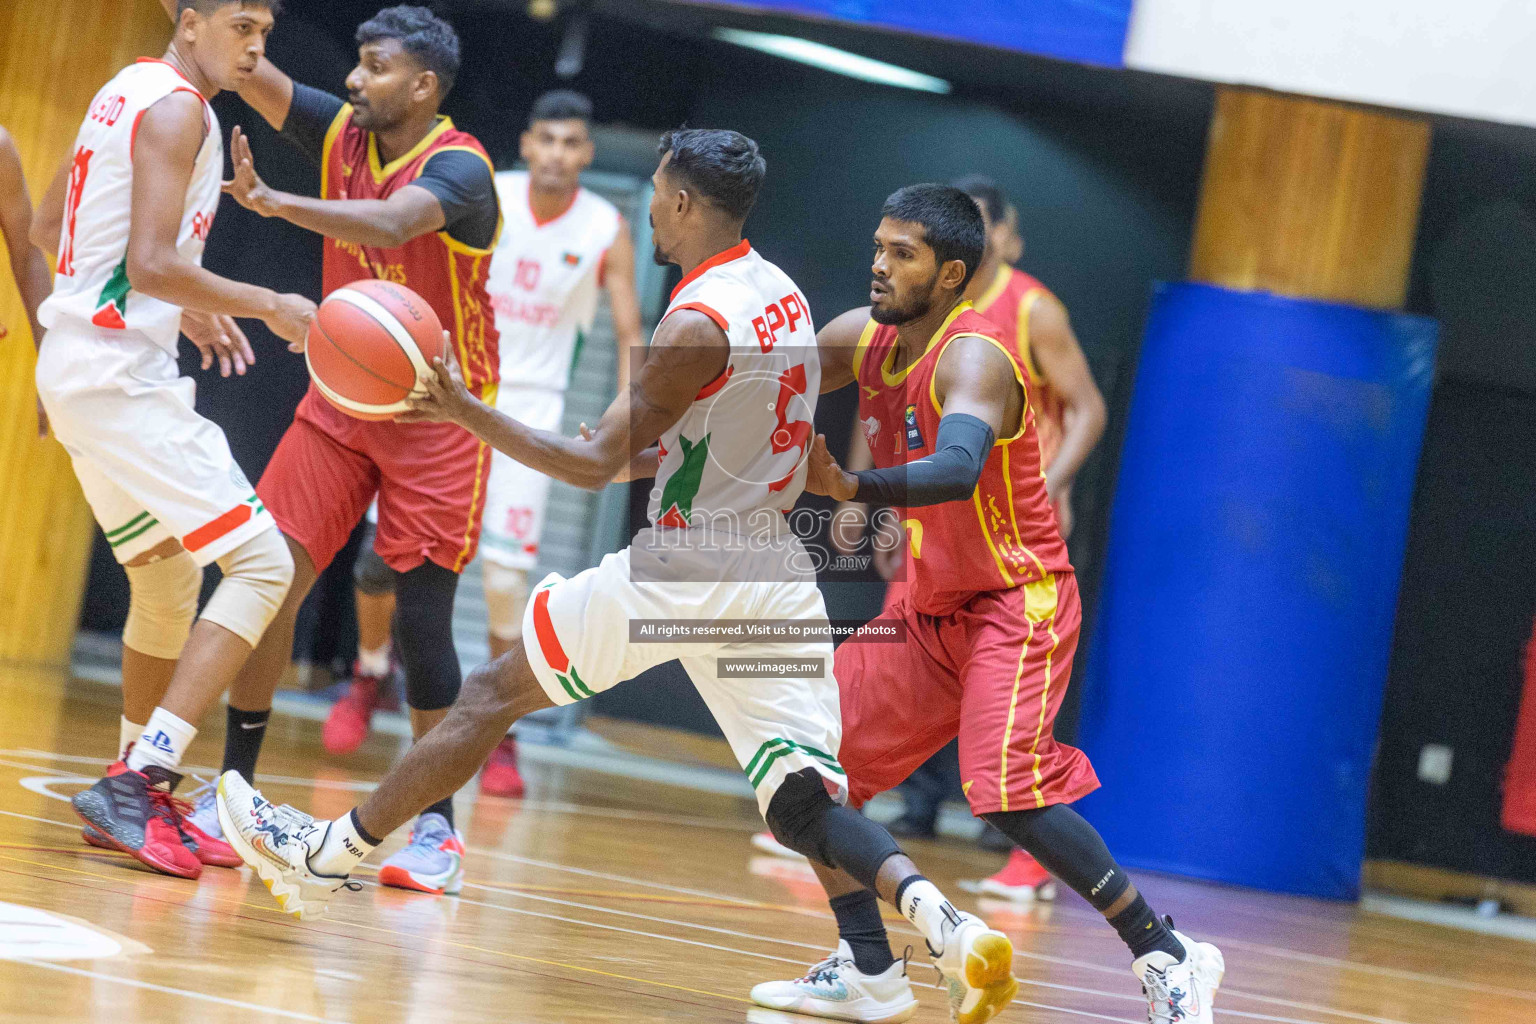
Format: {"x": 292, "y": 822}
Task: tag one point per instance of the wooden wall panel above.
{"x": 54, "y": 55}
{"x": 1309, "y": 198}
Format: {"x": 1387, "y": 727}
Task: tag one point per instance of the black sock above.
{"x": 243, "y": 733}
{"x": 859, "y": 925}
{"x": 443, "y": 807}
{"x": 1143, "y": 932}
{"x": 1072, "y": 850}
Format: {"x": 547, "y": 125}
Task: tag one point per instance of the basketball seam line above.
{"x": 355, "y": 362}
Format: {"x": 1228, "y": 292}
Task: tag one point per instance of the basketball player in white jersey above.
{"x": 721, "y": 414}
{"x": 561, "y": 245}
{"x": 143, "y": 188}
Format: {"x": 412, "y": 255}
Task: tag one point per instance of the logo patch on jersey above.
{"x": 113, "y": 301}
{"x": 871, "y": 430}
{"x": 683, "y": 485}
{"x": 914, "y": 435}
{"x": 571, "y": 259}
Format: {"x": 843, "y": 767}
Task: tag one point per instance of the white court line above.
{"x": 1083, "y": 965}
{"x": 798, "y": 964}
{"x": 358, "y": 786}
{"x": 186, "y": 993}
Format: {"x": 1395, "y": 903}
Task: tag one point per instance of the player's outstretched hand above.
{"x": 218, "y": 337}
{"x": 246, "y": 186}
{"x": 825, "y": 476}
{"x": 291, "y": 320}
{"x": 447, "y": 399}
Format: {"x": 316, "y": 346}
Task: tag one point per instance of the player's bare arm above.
{"x": 624, "y": 301}
{"x": 1060, "y": 361}
{"x": 836, "y": 342}
{"x": 28, "y": 265}
{"x": 170, "y": 135}
{"x": 385, "y": 223}
{"x": 688, "y": 351}
{"x": 48, "y": 218}
{"x": 980, "y": 400}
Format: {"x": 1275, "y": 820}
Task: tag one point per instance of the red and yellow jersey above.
{"x": 447, "y": 273}
{"x": 1006, "y": 535}
{"x": 1007, "y": 302}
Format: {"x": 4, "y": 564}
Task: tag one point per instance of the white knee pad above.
{"x": 257, "y": 575}
{"x": 506, "y": 595}
{"x": 162, "y": 605}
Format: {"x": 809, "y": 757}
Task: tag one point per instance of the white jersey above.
{"x": 544, "y": 281}
{"x": 91, "y": 285}
{"x": 740, "y": 448}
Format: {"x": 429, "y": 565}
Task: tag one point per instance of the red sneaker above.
{"x": 200, "y": 821}
{"x": 500, "y": 776}
{"x": 347, "y": 725}
{"x": 133, "y": 811}
{"x": 1022, "y": 880}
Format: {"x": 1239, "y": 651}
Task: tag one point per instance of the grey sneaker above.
{"x": 836, "y": 988}
{"x": 432, "y": 861}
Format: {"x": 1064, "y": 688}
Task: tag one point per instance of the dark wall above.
{"x": 1468, "y": 592}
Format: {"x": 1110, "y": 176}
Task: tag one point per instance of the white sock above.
{"x": 373, "y": 663}
{"x": 343, "y": 849}
{"x": 164, "y": 742}
{"x": 127, "y": 733}
{"x": 925, "y": 906}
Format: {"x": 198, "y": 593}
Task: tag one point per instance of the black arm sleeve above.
{"x": 309, "y": 118}
{"x": 949, "y": 474}
{"x": 464, "y": 188}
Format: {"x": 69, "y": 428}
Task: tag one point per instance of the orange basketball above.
{"x": 370, "y": 346}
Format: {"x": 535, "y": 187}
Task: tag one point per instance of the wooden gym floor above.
{"x": 602, "y": 899}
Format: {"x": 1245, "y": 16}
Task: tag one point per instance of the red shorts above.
{"x": 994, "y": 673}
{"x": 429, "y": 478}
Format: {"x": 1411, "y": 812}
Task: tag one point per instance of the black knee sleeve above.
{"x": 369, "y": 573}
{"x": 424, "y": 635}
{"x": 1068, "y": 847}
{"x": 805, "y": 818}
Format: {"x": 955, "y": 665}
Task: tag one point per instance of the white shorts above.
{"x": 577, "y": 637}
{"x": 516, "y": 495}
{"x": 149, "y": 465}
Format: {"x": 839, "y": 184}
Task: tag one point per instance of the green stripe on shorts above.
{"x": 772, "y": 750}
{"x": 136, "y": 520}
{"x": 137, "y": 532}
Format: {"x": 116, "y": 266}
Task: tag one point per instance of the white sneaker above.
{"x": 1181, "y": 992}
{"x": 835, "y": 988}
{"x": 276, "y": 843}
{"x": 977, "y": 965}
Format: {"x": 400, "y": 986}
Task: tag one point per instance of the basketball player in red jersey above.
{"x": 991, "y": 614}
{"x": 1069, "y": 415}
{"x": 405, "y": 197}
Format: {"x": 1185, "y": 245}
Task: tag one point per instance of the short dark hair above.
{"x": 207, "y": 7}
{"x": 422, "y": 34}
{"x": 561, "y": 105}
{"x": 951, "y": 220}
{"x": 721, "y": 165}
{"x": 986, "y": 193}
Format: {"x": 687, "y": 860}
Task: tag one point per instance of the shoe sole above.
{"x": 110, "y": 842}
{"x": 287, "y": 896}
{"x": 800, "y": 1006}
{"x": 989, "y": 970}
{"x": 1022, "y": 895}
{"x": 90, "y": 837}
{"x": 400, "y": 878}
